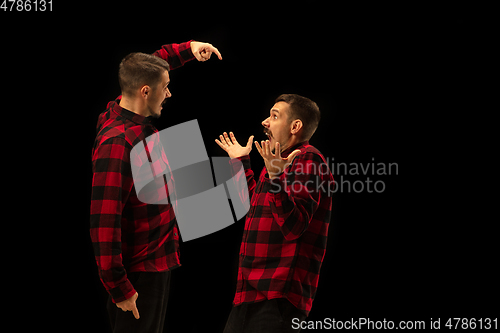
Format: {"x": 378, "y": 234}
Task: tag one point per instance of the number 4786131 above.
{"x": 26, "y": 5}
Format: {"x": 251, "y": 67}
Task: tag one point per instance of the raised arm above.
{"x": 237, "y": 151}
{"x": 178, "y": 54}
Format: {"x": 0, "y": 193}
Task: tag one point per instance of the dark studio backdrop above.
{"x": 372, "y": 73}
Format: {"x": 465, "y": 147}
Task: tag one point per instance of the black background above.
{"x": 381, "y": 76}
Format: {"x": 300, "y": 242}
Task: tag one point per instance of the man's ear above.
{"x": 296, "y": 126}
{"x": 145, "y": 91}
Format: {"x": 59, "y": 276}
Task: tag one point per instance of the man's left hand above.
{"x": 275, "y": 164}
{"x": 203, "y": 51}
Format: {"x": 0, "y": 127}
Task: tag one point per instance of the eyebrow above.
{"x": 275, "y": 110}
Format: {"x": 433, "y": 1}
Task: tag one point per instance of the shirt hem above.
{"x": 268, "y": 299}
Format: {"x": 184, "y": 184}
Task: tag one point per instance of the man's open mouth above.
{"x": 268, "y": 133}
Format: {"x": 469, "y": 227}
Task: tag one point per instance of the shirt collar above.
{"x": 287, "y": 151}
{"x": 132, "y": 116}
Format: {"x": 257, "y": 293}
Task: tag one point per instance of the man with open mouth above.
{"x": 286, "y": 228}
{"x": 136, "y": 245}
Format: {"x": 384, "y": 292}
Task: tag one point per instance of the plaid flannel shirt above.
{"x": 286, "y": 228}
{"x": 128, "y": 235}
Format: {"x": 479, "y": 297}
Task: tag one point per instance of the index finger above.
{"x": 135, "y": 311}
{"x": 214, "y": 49}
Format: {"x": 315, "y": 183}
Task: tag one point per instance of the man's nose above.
{"x": 265, "y": 123}
{"x": 168, "y": 95}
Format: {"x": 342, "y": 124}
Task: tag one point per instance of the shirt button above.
{"x": 175, "y": 234}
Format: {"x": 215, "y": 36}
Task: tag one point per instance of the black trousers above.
{"x": 153, "y": 289}
{"x": 269, "y": 316}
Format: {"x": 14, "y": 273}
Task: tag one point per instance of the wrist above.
{"x": 231, "y": 156}
{"x": 274, "y": 175}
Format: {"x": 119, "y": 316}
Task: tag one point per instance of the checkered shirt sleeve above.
{"x": 111, "y": 186}
{"x": 175, "y": 54}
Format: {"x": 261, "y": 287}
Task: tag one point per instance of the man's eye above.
{"x": 275, "y": 117}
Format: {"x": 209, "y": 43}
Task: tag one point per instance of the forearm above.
{"x": 294, "y": 196}
{"x": 105, "y": 234}
{"x": 238, "y": 177}
{"x": 291, "y": 211}
{"x": 175, "y": 54}
{"x": 116, "y": 283}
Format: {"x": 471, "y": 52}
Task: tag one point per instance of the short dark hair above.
{"x": 138, "y": 69}
{"x": 304, "y": 109}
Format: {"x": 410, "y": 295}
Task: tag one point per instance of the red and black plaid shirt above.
{"x": 286, "y": 228}
{"x": 127, "y": 234}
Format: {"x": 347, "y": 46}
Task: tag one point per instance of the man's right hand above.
{"x": 129, "y": 305}
{"x": 232, "y": 147}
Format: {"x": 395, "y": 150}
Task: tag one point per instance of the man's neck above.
{"x": 292, "y": 142}
{"x": 133, "y": 104}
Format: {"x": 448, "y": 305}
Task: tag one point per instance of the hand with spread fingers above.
{"x": 232, "y": 147}
{"x": 275, "y": 164}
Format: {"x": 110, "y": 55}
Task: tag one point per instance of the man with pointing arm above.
{"x": 136, "y": 245}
